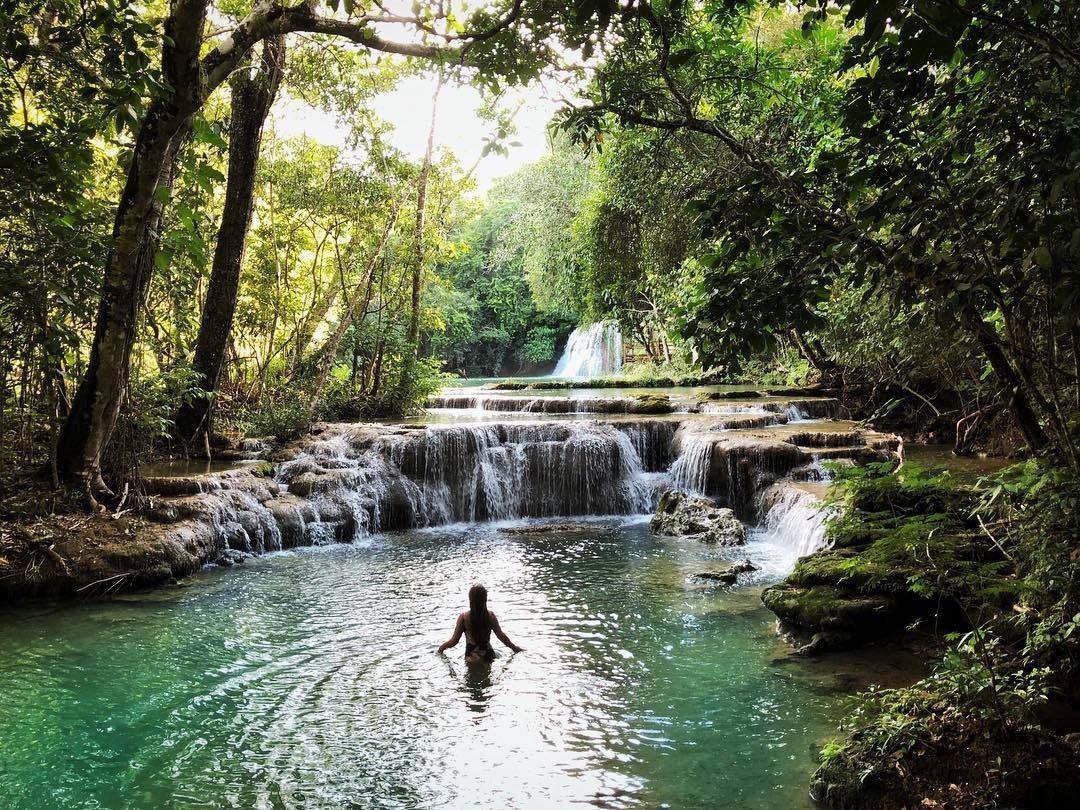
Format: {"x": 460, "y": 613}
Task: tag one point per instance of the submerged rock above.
{"x": 228, "y": 557}
{"x": 681, "y": 514}
{"x": 726, "y": 575}
{"x": 550, "y": 528}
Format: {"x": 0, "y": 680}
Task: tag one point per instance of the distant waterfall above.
{"x": 592, "y": 351}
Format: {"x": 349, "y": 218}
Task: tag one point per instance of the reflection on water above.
{"x": 965, "y": 468}
{"x": 181, "y": 467}
{"x": 310, "y": 679}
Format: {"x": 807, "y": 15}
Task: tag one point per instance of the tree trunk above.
{"x": 97, "y": 400}
{"x": 252, "y": 97}
{"x": 1019, "y": 403}
{"x": 328, "y": 351}
{"x": 129, "y": 267}
{"x": 421, "y": 214}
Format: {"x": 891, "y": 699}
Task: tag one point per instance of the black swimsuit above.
{"x": 471, "y": 648}
{"x": 486, "y": 653}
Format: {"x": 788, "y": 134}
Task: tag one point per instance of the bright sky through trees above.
{"x": 460, "y": 129}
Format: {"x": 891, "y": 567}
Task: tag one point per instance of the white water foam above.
{"x": 592, "y": 351}
{"x": 794, "y": 521}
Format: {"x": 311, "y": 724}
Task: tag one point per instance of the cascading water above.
{"x": 794, "y": 518}
{"x": 592, "y": 351}
{"x": 467, "y": 473}
{"x": 351, "y": 481}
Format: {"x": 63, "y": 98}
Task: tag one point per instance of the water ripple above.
{"x": 310, "y": 679}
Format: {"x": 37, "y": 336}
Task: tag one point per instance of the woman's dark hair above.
{"x": 478, "y": 612}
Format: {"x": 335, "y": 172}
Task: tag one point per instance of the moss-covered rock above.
{"x": 836, "y": 617}
{"x": 904, "y": 549}
{"x": 680, "y": 514}
{"x": 651, "y": 404}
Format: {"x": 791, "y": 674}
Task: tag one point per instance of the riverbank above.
{"x": 991, "y": 570}
{"x": 74, "y": 556}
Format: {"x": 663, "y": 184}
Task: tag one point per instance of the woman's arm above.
{"x": 501, "y": 636}
{"x": 459, "y": 628}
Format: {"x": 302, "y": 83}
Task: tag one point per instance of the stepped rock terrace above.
{"x": 499, "y": 460}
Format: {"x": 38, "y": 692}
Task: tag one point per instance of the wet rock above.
{"x": 833, "y": 617}
{"x": 231, "y": 556}
{"x": 550, "y": 528}
{"x": 162, "y": 513}
{"x": 824, "y": 642}
{"x": 304, "y": 484}
{"x": 726, "y": 575}
{"x": 173, "y": 486}
{"x": 681, "y": 514}
{"x": 716, "y": 396}
{"x": 651, "y": 404}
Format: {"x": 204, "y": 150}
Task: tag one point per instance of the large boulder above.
{"x": 681, "y": 514}
{"x": 833, "y": 618}
{"x": 650, "y": 404}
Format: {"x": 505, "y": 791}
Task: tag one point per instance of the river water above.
{"x": 310, "y": 678}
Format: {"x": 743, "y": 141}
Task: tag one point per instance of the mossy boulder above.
{"x": 680, "y": 514}
{"x": 833, "y": 617}
{"x": 717, "y": 396}
{"x": 651, "y": 404}
{"x": 903, "y": 550}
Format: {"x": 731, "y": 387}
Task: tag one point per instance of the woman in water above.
{"x": 478, "y": 623}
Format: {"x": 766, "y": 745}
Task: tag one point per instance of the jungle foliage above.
{"x": 888, "y": 189}
{"x": 149, "y": 235}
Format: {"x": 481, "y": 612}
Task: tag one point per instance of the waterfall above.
{"x": 467, "y": 473}
{"x": 592, "y": 351}
{"x": 346, "y": 482}
{"x": 793, "y": 518}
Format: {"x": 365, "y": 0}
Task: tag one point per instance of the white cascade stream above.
{"x": 592, "y": 351}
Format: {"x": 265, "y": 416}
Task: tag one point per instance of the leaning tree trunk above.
{"x": 421, "y": 215}
{"x": 1018, "y": 401}
{"x": 327, "y": 353}
{"x": 97, "y": 401}
{"x": 252, "y": 97}
{"x": 129, "y": 267}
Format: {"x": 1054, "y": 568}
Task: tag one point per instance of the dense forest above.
{"x": 877, "y": 198}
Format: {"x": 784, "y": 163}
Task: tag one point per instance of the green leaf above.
{"x": 682, "y": 57}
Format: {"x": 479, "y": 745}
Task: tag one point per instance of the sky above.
{"x": 458, "y": 128}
